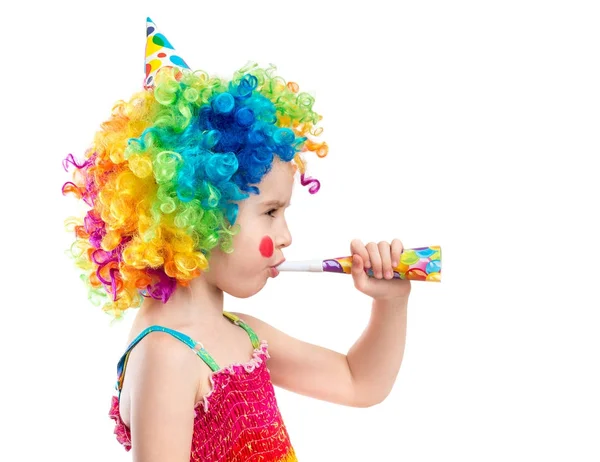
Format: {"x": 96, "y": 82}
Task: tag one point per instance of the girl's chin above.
{"x": 253, "y": 289}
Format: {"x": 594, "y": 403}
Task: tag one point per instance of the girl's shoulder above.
{"x": 159, "y": 354}
{"x": 155, "y": 364}
{"x": 161, "y": 384}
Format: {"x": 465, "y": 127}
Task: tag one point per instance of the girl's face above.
{"x": 264, "y": 233}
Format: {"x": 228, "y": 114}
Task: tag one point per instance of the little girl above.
{"x": 187, "y": 185}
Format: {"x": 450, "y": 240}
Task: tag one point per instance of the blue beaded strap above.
{"x": 201, "y": 352}
{"x": 238, "y": 322}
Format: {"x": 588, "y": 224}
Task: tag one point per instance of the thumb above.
{"x": 358, "y": 266}
{"x": 358, "y": 272}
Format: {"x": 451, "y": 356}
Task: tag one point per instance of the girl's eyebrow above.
{"x": 274, "y": 202}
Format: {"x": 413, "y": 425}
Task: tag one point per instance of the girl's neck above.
{"x": 199, "y": 302}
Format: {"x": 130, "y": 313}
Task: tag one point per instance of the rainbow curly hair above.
{"x": 165, "y": 172}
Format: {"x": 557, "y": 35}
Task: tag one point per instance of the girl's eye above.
{"x": 270, "y": 212}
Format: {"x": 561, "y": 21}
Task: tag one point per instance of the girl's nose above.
{"x": 284, "y": 238}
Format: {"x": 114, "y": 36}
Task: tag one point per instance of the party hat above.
{"x": 159, "y": 53}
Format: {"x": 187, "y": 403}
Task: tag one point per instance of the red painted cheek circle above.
{"x": 266, "y": 247}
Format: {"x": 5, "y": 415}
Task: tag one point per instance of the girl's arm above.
{"x": 366, "y": 374}
{"x": 162, "y": 392}
{"x": 376, "y": 356}
{"x": 363, "y": 377}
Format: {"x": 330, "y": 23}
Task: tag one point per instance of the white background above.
{"x": 470, "y": 125}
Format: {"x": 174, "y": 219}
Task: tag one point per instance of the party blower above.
{"x": 417, "y": 264}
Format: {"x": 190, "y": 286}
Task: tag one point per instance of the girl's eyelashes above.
{"x": 270, "y": 212}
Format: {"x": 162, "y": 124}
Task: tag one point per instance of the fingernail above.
{"x": 388, "y": 274}
{"x": 394, "y": 264}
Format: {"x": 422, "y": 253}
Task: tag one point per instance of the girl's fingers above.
{"x": 375, "y": 259}
{"x": 386, "y": 259}
{"x": 358, "y": 272}
{"x": 357, "y": 247}
{"x": 397, "y": 249}
{"x": 382, "y": 258}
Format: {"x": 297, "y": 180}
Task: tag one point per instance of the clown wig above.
{"x": 165, "y": 171}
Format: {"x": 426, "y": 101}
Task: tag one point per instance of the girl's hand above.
{"x": 381, "y": 258}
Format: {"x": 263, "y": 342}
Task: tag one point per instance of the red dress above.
{"x": 239, "y": 420}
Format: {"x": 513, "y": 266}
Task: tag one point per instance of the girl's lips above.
{"x": 274, "y": 272}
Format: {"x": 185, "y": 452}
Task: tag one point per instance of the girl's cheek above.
{"x": 266, "y": 247}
